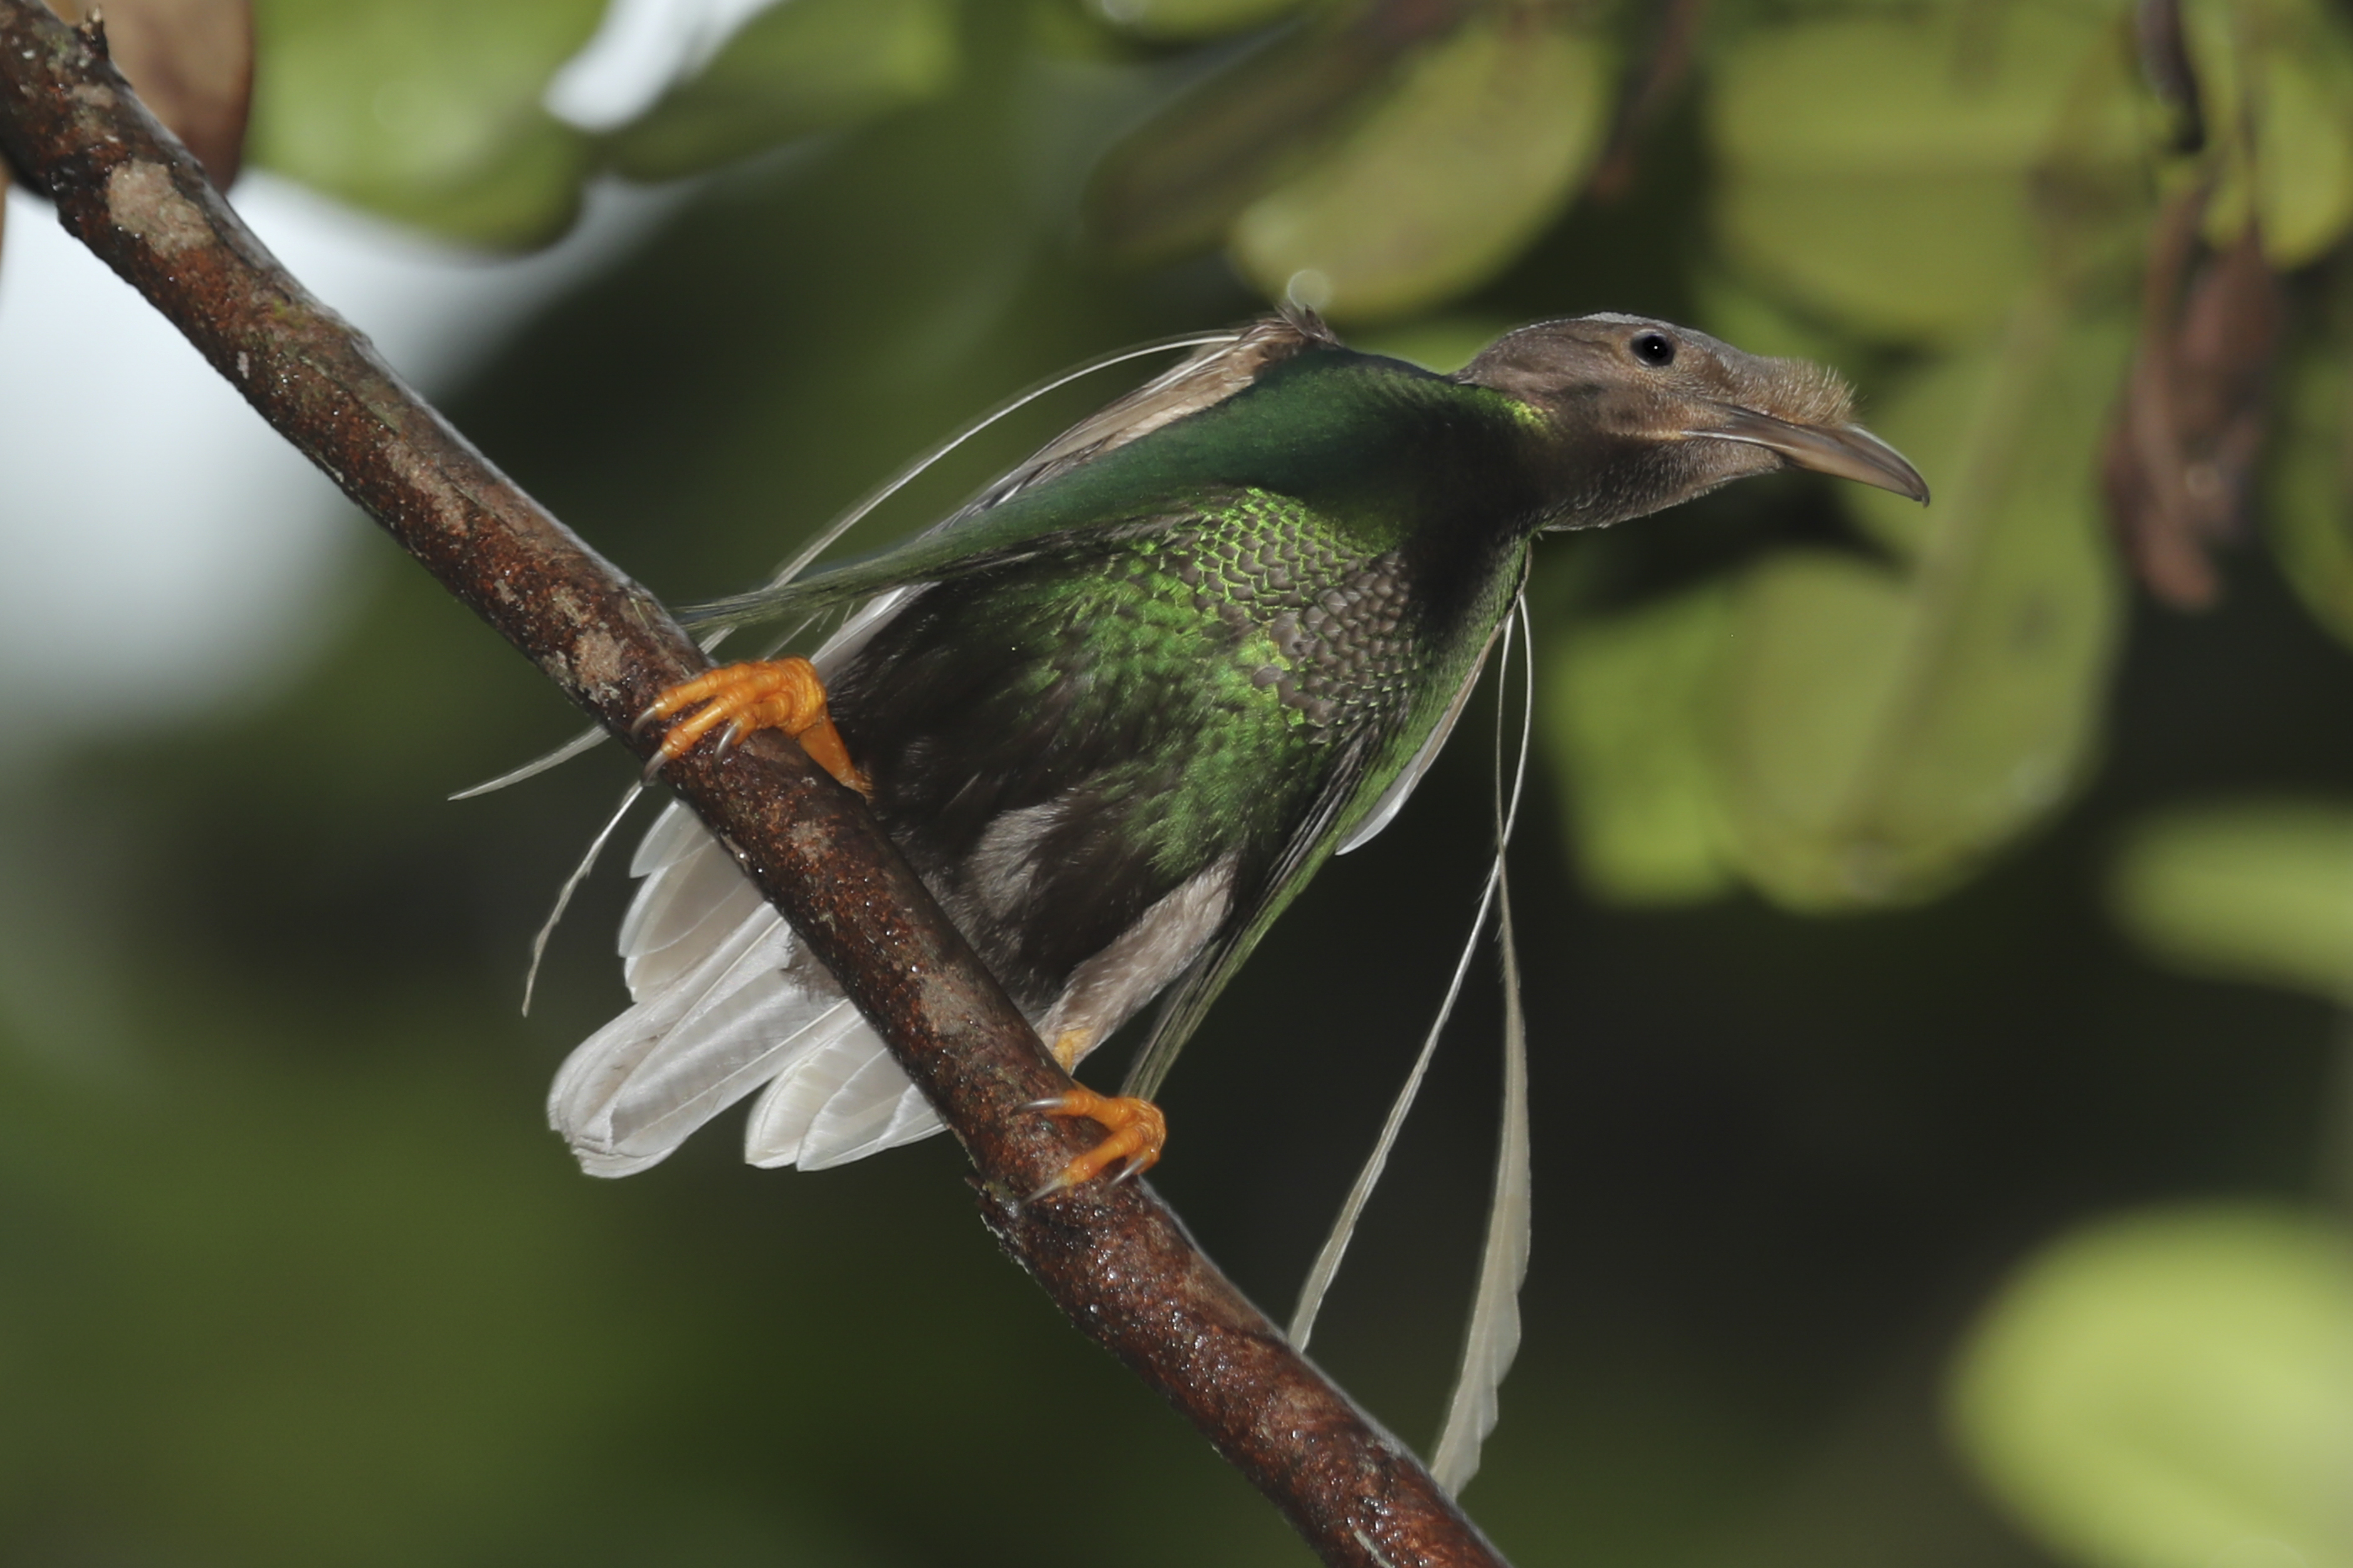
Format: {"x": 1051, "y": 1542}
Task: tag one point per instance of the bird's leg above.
{"x": 764, "y": 694}
{"x": 1137, "y": 1128}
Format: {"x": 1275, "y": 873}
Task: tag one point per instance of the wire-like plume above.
{"x": 1494, "y": 1336}
{"x": 1352, "y": 1209}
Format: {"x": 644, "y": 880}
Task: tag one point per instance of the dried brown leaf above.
{"x": 1652, "y": 82}
{"x": 2181, "y": 451}
{"x": 191, "y": 62}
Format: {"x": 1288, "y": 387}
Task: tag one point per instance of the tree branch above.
{"x": 1115, "y": 1260}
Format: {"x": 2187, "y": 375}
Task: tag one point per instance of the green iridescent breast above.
{"x": 1320, "y": 627}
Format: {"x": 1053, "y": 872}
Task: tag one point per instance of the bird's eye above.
{"x": 1653, "y": 348}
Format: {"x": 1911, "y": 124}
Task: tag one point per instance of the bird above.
{"x": 1120, "y": 707}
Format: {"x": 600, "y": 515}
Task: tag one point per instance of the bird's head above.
{"x": 1636, "y": 415}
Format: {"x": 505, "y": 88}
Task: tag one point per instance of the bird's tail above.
{"x": 723, "y": 1005}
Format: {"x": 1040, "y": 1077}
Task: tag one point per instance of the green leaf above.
{"x": 1174, "y": 185}
{"x": 425, "y": 110}
{"x": 2296, "y": 176}
{"x": 1761, "y": 324}
{"x": 797, "y": 67}
{"x": 2310, "y": 517}
{"x": 1909, "y": 175}
{"x": 1470, "y": 156}
{"x": 1177, "y": 20}
{"x": 1820, "y": 636}
{"x": 1622, "y": 713}
{"x": 2259, "y": 891}
{"x": 1886, "y": 729}
{"x": 2173, "y": 1390}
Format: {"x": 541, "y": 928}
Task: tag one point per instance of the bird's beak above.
{"x": 1843, "y": 451}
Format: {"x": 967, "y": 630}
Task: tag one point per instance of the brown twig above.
{"x": 1115, "y": 1260}
{"x": 1646, "y": 89}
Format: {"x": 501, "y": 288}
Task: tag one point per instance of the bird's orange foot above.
{"x": 765, "y": 694}
{"x": 1138, "y": 1131}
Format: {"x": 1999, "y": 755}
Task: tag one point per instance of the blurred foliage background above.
{"x": 1940, "y": 940}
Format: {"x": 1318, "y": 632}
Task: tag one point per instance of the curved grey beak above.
{"x": 1842, "y": 451}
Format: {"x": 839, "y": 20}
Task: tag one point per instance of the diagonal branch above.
{"x": 1116, "y": 1261}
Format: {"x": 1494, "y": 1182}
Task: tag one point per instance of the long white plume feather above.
{"x": 1344, "y": 1227}
{"x": 1352, "y": 1209}
{"x": 579, "y": 745}
{"x": 572, "y": 885}
{"x": 1494, "y": 1337}
{"x": 1018, "y": 401}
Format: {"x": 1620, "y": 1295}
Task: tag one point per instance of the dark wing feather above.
{"x": 1310, "y": 845}
{"x": 1203, "y": 380}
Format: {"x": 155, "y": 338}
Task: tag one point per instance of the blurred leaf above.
{"x": 2173, "y": 1390}
{"x": 1882, "y": 733}
{"x": 2311, "y": 512}
{"x": 1761, "y": 324}
{"x": 1909, "y": 175}
{"x": 797, "y": 67}
{"x": 1445, "y": 182}
{"x": 426, "y": 110}
{"x": 1820, "y": 636}
{"x": 1443, "y": 344}
{"x": 2258, "y": 891}
{"x": 1173, "y": 20}
{"x": 191, "y": 61}
{"x": 2283, "y": 69}
{"x": 1172, "y": 185}
{"x": 1622, "y": 706}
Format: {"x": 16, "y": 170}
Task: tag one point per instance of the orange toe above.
{"x": 1139, "y": 1132}
{"x": 764, "y": 694}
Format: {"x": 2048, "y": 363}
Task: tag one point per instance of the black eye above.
{"x": 1653, "y": 348}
